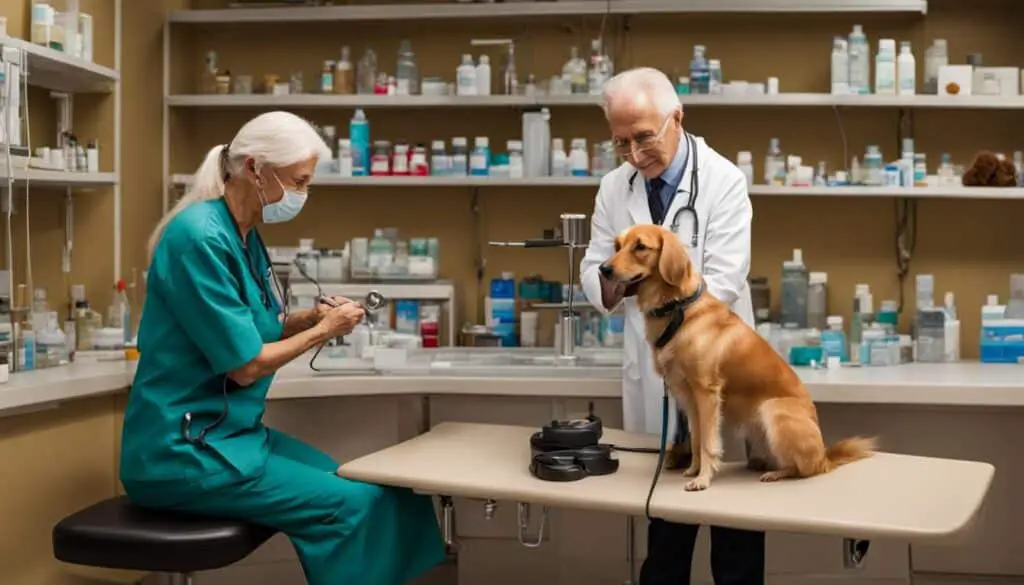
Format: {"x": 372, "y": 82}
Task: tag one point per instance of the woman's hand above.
{"x": 323, "y": 308}
{"x": 339, "y": 321}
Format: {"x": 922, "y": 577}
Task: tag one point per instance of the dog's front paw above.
{"x": 697, "y": 484}
{"x": 693, "y": 470}
{"x": 774, "y": 476}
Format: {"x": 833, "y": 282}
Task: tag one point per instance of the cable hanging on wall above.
{"x": 905, "y": 214}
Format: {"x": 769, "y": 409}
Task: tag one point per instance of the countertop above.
{"x": 959, "y": 384}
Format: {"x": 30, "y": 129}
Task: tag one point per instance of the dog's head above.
{"x": 646, "y": 252}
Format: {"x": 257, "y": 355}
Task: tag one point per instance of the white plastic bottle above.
{"x": 483, "y": 76}
{"x": 578, "y": 163}
{"x": 465, "y": 77}
{"x": 559, "y": 159}
{"x": 745, "y": 162}
{"x": 859, "y": 61}
{"x": 885, "y": 67}
{"x": 840, "y": 67}
{"x": 906, "y": 70}
{"x": 344, "y": 157}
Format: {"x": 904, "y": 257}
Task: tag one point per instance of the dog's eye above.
{"x": 639, "y": 246}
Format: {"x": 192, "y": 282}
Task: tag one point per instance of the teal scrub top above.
{"x": 205, "y": 315}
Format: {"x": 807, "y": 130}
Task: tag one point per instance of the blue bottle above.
{"x": 480, "y": 159}
{"x": 359, "y": 137}
{"x": 503, "y": 309}
{"x": 833, "y": 339}
{"x": 700, "y": 72}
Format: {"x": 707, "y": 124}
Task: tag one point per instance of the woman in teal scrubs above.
{"x": 213, "y": 333}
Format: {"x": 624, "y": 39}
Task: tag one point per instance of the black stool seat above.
{"x": 116, "y": 534}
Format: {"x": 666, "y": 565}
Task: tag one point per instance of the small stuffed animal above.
{"x": 990, "y": 170}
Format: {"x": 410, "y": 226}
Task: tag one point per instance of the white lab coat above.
{"x": 722, "y": 255}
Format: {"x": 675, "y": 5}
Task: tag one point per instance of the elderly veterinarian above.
{"x": 675, "y": 179}
{"x": 214, "y": 331}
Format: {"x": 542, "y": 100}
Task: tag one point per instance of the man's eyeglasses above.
{"x": 626, "y": 147}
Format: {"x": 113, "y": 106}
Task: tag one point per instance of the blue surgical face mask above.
{"x": 287, "y": 208}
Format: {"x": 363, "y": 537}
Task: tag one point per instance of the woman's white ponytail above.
{"x": 275, "y": 138}
{"x": 207, "y": 183}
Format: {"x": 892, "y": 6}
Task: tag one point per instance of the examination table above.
{"x": 890, "y": 496}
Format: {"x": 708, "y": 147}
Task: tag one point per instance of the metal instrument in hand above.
{"x": 373, "y": 301}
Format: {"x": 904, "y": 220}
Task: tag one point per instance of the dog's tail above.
{"x": 850, "y": 450}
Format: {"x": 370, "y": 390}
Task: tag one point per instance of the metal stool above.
{"x": 115, "y": 534}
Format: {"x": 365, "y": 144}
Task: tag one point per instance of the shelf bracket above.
{"x": 69, "y": 232}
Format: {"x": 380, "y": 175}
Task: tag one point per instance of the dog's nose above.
{"x": 606, "y": 270}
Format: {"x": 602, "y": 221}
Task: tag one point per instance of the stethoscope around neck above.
{"x": 373, "y": 301}
{"x": 690, "y": 207}
{"x": 267, "y": 299}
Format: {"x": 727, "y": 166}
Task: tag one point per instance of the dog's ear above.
{"x": 673, "y": 262}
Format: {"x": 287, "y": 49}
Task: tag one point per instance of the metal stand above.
{"x": 630, "y": 552}
{"x": 574, "y": 235}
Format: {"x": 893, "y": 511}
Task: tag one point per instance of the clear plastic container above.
{"x": 817, "y": 300}
{"x": 407, "y": 74}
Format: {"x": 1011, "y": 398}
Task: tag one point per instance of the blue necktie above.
{"x": 654, "y": 202}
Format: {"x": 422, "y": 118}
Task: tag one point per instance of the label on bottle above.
{"x": 399, "y": 164}
{"x": 466, "y": 81}
{"x": 402, "y": 87}
{"x": 345, "y": 166}
{"x": 459, "y": 165}
{"x": 478, "y": 164}
{"x": 379, "y": 165}
{"x": 326, "y": 82}
{"x": 885, "y": 78}
{"x": 439, "y": 165}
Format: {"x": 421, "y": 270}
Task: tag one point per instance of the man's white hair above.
{"x": 648, "y": 81}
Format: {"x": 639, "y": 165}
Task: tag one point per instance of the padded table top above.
{"x": 903, "y": 497}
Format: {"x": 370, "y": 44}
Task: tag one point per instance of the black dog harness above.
{"x": 676, "y": 309}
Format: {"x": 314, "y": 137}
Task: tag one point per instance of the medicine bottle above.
{"x": 578, "y": 164}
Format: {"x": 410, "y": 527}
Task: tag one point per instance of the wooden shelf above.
{"x": 313, "y": 100}
{"x": 58, "y": 71}
{"x": 56, "y": 179}
{"x": 951, "y": 192}
{"x": 461, "y": 10}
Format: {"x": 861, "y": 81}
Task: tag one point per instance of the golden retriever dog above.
{"x": 719, "y": 369}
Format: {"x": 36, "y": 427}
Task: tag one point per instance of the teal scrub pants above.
{"x": 343, "y": 531}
